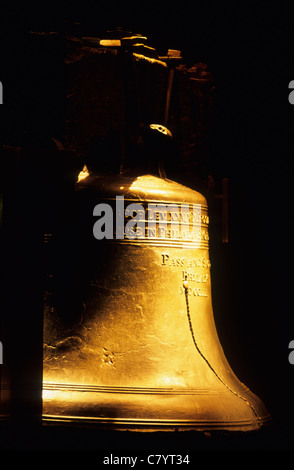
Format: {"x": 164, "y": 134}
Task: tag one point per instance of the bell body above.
{"x": 129, "y": 335}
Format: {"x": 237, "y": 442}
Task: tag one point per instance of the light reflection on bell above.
{"x": 129, "y": 337}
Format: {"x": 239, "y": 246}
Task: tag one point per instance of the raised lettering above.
{"x": 135, "y": 222}
{"x": 165, "y": 258}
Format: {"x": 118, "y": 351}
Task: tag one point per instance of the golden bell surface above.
{"x": 129, "y": 335}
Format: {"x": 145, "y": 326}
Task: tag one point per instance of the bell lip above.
{"x": 155, "y": 425}
{"x": 146, "y": 408}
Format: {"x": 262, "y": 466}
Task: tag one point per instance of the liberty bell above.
{"x": 129, "y": 335}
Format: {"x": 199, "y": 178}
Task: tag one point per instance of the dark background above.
{"x": 249, "y": 51}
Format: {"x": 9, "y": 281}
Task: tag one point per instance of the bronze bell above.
{"x": 129, "y": 334}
